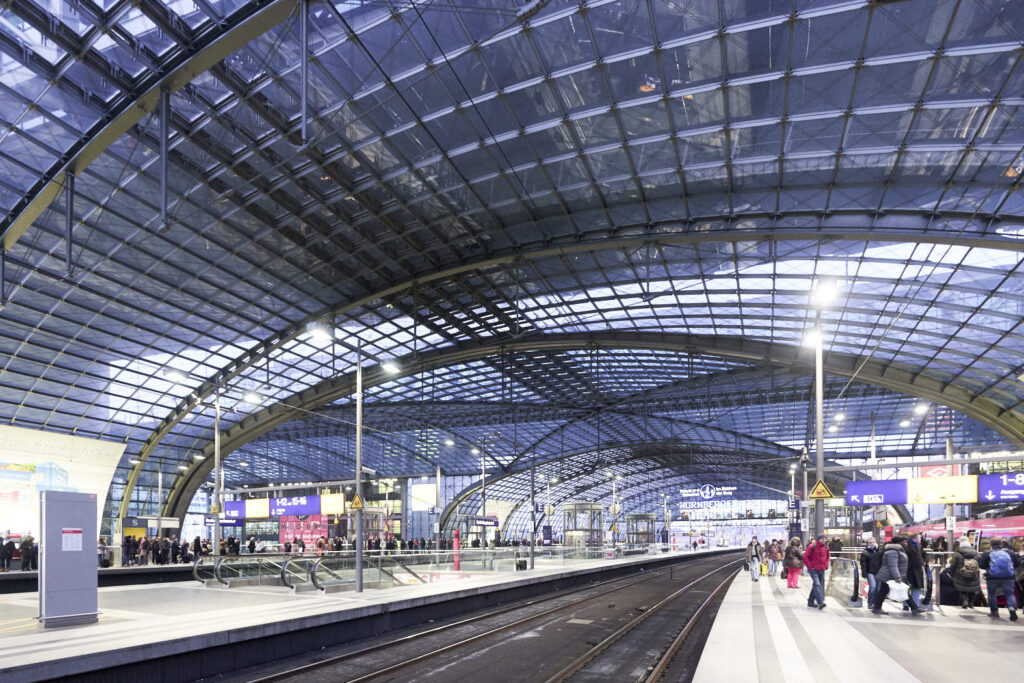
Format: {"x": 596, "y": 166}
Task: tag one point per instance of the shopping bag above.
{"x": 898, "y": 592}
{"x": 764, "y": 569}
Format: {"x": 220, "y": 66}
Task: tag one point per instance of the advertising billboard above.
{"x": 943, "y": 490}
{"x": 33, "y": 460}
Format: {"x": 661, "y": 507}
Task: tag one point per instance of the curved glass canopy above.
{"x": 664, "y": 180}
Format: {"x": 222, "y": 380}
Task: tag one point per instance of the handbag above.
{"x": 898, "y": 592}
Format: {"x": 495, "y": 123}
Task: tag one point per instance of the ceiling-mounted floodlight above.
{"x": 824, "y": 293}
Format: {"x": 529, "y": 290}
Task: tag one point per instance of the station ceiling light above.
{"x": 391, "y": 367}
{"x": 904, "y": 423}
{"x": 475, "y": 451}
{"x": 921, "y": 408}
{"x": 449, "y": 442}
{"x": 176, "y": 376}
{"x": 252, "y": 397}
{"x": 243, "y": 464}
{"x": 839, "y": 417}
{"x": 182, "y": 467}
{"x": 824, "y": 293}
{"x": 812, "y": 338}
{"x": 833, "y": 428}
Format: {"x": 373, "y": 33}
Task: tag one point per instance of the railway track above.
{"x": 419, "y": 654}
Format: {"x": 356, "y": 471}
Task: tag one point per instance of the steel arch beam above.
{"x": 253, "y": 20}
{"x": 833, "y": 229}
{"x": 796, "y": 358}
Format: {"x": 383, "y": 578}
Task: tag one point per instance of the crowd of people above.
{"x": 901, "y": 566}
{"x": 26, "y": 547}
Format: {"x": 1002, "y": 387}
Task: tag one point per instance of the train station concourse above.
{"x": 346, "y": 326}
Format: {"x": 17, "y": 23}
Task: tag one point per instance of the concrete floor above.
{"x": 782, "y": 640}
{"x": 169, "y": 619}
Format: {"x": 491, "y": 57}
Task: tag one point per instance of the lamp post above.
{"x": 823, "y": 294}
{"x": 614, "y": 508}
{"x": 359, "y": 465}
{"x": 218, "y": 481}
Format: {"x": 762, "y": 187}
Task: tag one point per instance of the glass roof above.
{"x": 491, "y": 173}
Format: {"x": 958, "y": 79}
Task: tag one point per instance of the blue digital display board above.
{"x": 234, "y": 509}
{"x": 886, "y": 492}
{"x": 296, "y": 505}
{"x": 997, "y": 488}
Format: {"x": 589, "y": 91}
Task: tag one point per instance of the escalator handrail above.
{"x": 403, "y": 566}
{"x": 216, "y": 570}
{"x": 195, "y": 568}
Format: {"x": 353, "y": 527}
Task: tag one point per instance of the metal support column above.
{"x": 950, "y": 510}
{"x": 165, "y": 133}
{"x": 819, "y": 428}
{"x": 533, "y": 507}
{"x": 359, "y": 465}
{"x": 69, "y": 218}
{"x": 218, "y": 489}
{"x": 437, "y": 506}
{"x": 304, "y": 86}
{"x": 483, "y": 497}
{"x": 3, "y": 274}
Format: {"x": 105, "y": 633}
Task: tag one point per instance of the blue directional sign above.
{"x": 794, "y": 504}
{"x": 886, "y": 492}
{"x": 997, "y": 488}
{"x": 234, "y": 509}
{"x": 295, "y": 505}
{"x": 486, "y": 521}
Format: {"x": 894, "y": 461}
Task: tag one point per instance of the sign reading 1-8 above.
{"x": 994, "y": 488}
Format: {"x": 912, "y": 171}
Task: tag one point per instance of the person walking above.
{"x": 894, "y": 568}
{"x": 916, "y": 564}
{"x": 774, "y": 555}
{"x": 816, "y": 558}
{"x": 794, "y": 562}
{"x": 252, "y": 544}
{"x": 966, "y": 573}
{"x": 870, "y": 563}
{"x": 755, "y": 553}
{"x": 1001, "y": 569}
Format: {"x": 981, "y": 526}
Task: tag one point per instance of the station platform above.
{"x": 185, "y": 630}
{"x": 783, "y": 639}
{"x": 18, "y": 581}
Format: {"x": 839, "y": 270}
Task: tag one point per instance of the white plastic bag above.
{"x": 898, "y": 592}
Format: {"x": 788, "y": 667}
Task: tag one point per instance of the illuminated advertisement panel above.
{"x": 32, "y": 460}
{"x": 332, "y": 504}
{"x": 257, "y": 508}
{"x": 943, "y": 490}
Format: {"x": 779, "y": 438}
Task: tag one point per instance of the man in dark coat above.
{"x": 916, "y": 567}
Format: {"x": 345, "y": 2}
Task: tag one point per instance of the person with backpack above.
{"x": 1001, "y": 566}
{"x": 870, "y": 563}
{"x": 966, "y": 573}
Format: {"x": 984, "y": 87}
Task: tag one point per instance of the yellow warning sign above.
{"x": 819, "y": 491}
{"x": 357, "y": 502}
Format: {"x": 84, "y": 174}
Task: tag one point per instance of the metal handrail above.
{"x": 216, "y": 570}
{"x": 403, "y": 566}
{"x": 195, "y": 568}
